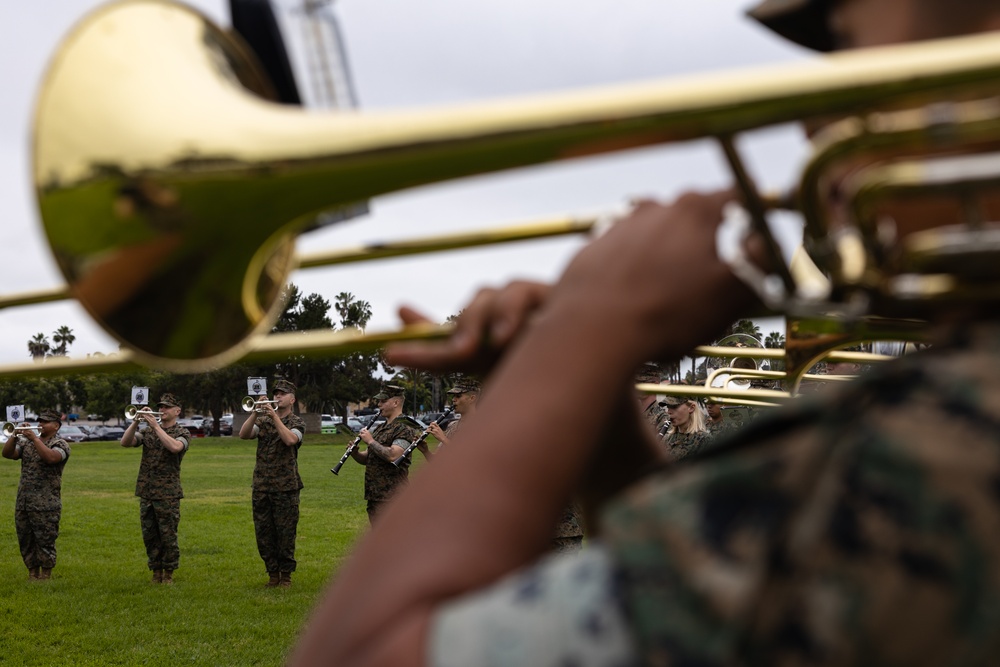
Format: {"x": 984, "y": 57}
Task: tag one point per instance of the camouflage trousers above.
{"x": 36, "y": 536}
{"x": 159, "y": 519}
{"x": 275, "y": 519}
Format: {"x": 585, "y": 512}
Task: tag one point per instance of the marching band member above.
{"x": 158, "y": 486}
{"x": 385, "y": 444}
{"x": 38, "y": 507}
{"x": 464, "y": 395}
{"x": 276, "y": 481}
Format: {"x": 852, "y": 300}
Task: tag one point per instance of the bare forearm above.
{"x": 287, "y": 435}
{"x": 628, "y": 451}
{"x": 246, "y": 430}
{"x": 389, "y": 453}
{"x": 10, "y": 448}
{"x": 507, "y": 509}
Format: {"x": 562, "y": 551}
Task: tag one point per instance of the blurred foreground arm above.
{"x": 464, "y": 524}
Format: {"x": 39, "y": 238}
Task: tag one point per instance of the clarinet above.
{"x": 447, "y": 417}
{"x": 343, "y": 459}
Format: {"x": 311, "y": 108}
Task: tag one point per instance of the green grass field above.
{"x": 100, "y": 607}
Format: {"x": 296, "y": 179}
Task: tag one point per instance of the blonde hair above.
{"x": 695, "y": 423}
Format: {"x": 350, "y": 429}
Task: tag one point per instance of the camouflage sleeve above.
{"x": 61, "y": 446}
{"x": 561, "y": 611}
{"x": 852, "y": 535}
{"x": 184, "y": 436}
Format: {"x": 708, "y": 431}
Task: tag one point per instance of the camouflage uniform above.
{"x": 38, "y": 507}
{"x": 655, "y": 416}
{"x": 382, "y": 479}
{"x": 158, "y": 487}
{"x": 276, "y": 486}
{"x": 718, "y": 429}
{"x": 682, "y": 445}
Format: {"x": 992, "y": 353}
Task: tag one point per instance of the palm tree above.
{"x": 747, "y": 327}
{"x": 39, "y": 346}
{"x": 774, "y": 340}
{"x": 63, "y": 338}
{"x": 353, "y": 312}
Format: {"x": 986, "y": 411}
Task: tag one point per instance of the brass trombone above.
{"x": 164, "y": 160}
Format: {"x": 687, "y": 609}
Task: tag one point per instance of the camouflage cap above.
{"x": 649, "y": 374}
{"x": 465, "y": 385}
{"x": 388, "y": 391}
{"x": 168, "y": 400}
{"x": 805, "y": 22}
{"x": 49, "y": 416}
{"x": 674, "y": 401}
{"x": 284, "y": 385}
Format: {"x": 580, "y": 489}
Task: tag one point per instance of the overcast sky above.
{"x": 407, "y": 53}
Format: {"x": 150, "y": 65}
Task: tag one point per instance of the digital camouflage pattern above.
{"x": 275, "y": 522}
{"x": 721, "y": 428}
{"x": 41, "y": 483}
{"x": 860, "y": 530}
{"x": 275, "y": 496}
{"x": 682, "y": 445}
{"x": 655, "y": 416}
{"x": 36, "y": 537}
{"x": 381, "y": 477}
{"x": 159, "y": 519}
{"x": 277, "y": 467}
{"x": 160, "y": 469}
{"x": 38, "y": 507}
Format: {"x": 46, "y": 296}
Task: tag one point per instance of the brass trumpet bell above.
{"x": 251, "y": 403}
{"x": 171, "y": 189}
{"x": 9, "y": 429}
{"x": 132, "y": 411}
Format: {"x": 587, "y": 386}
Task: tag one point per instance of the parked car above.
{"x": 369, "y": 422}
{"x": 105, "y": 433}
{"x": 72, "y": 433}
{"x": 225, "y": 426}
{"x": 194, "y": 427}
{"x": 327, "y": 424}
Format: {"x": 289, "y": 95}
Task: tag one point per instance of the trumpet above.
{"x": 9, "y": 429}
{"x": 254, "y": 404}
{"x": 133, "y": 411}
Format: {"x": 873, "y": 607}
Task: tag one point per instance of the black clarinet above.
{"x": 442, "y": 421}
{"x": 343, "y": 459}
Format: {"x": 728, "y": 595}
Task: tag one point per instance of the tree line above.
{"x": 324, "y": 385}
